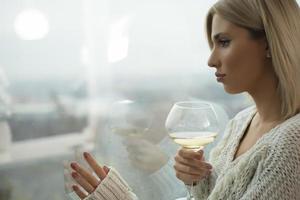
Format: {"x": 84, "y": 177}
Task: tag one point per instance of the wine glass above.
{"x": 193, "y": 125}
{"x": 129, "y": 118}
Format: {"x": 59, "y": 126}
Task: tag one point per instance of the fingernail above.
{"x": 73, "y": 165}
{"x": 200, "y": 151}
{"x": 200, "y": 156}
{"x": 86, "y": 154}
{"x": 106, "y": 169}
{"x": 74, "y": 175}
{"x": 74, "y": 187}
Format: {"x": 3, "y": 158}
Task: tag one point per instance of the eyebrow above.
{"x": 217, "y": 36}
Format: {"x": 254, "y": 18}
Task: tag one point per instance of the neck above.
{"x": 267, "y": 101}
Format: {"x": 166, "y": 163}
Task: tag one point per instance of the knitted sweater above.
{"x": 268, "y": 170}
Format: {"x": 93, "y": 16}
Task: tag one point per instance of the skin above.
{"x": 247, "y": 68}
{"x": 85, "y": 179}
{"x": 190, "y": 166}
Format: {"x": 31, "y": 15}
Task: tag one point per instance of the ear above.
{"x": 268, "y": 51}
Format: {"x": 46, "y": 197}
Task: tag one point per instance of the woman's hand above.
{"x": 85, "y": 179}
{"x": 190, "y": 166}
{"x": 144, "y": 155}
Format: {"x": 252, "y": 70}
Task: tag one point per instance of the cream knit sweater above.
{"x": 269, "y": 170}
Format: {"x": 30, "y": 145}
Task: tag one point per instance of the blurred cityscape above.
{"x": 48, "y": 108}
{"x": 63, "y": 64}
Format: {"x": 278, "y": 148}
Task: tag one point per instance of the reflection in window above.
{"x": 63, "y": 76}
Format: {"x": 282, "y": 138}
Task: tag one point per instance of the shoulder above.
{"x": 292, "y": 124}
{"x": 288, "y": 133}
{"x": 284, "y": 143}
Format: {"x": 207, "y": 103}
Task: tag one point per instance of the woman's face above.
{"x": 240, "y": 61}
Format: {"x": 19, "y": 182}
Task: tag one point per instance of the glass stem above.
{"x": 189, "y": 191}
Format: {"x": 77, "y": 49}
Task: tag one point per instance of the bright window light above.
{"x": 31, "y": 24}
{"x": 85, "y": 55}
{"x": 118, "y": 40}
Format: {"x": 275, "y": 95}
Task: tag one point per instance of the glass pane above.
{"x": 93, "y": 68}
{"x": 40, "y": 64}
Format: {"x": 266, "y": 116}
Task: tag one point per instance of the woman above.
{"x": 255, "y": 45}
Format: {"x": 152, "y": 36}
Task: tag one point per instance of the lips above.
{"x": 220, "y": 77}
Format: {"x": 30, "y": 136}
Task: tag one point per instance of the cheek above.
{"x": 244, "y": 55}
{"x": 237, "y": 64}
{"x": 243, "y": 68}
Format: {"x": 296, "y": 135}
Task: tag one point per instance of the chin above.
{"x": 231, "y": 90}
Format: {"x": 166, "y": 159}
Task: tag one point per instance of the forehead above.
{"x": 221, "y": 25}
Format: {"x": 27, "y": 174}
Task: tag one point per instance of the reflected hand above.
{"x": 85, "y": 179}
{"x": 190, "y": 166}
{"x": 145, "y": 155}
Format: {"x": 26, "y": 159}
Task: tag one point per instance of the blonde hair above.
{"x": 278, "y": 22}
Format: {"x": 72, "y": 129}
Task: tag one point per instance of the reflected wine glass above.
{"x": 193, "y": 125}
{"x": 129, "y": 119}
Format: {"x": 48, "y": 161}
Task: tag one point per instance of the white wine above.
{"x": 193, "y": 140}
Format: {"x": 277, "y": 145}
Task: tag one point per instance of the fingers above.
{"x": 190, "y": 170}
{"x": 84, "y": 178}
{"x": 133, "y": 150}
{"x": 138, "y": 146}
{"x": 198, "y": 164}
{"x": 79, "y": 192}
{"x": 190, "y": 175}
{"x": 190, "y": 166}
{"x": 136, "y": 157}
{"x": 95, "y": 166}
{"x": 89, "y": 178}
{"x": 83, "y": 182}
{"x": 138, "y": 164}
{"x": 106, "y": 169}
{"x": 187, "y": 178}
{"x": 192, "y": 158}
{"x": 190, "y": 154}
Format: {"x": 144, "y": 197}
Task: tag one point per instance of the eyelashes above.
{"x": 223, "y": 42}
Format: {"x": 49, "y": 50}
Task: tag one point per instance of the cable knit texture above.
{"x": 269, "y": 170}
{"x": 113, "y": 187}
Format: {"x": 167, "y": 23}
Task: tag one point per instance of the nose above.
{"x": 213, "y": 61}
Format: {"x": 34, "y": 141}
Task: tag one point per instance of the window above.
{"x": 64, "y": 64}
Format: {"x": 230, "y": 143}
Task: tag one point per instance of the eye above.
{"x": 224, "y": 42}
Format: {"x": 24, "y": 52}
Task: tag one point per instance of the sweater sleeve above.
{"x": 113, "y": 187}
{"x": 279, "y": 176}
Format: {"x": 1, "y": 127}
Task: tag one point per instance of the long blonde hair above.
{"x": 279, "y": 22}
